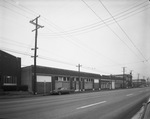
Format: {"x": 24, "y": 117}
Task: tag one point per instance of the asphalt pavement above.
{"x": 115, "y": 104}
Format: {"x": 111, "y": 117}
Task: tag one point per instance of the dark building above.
{"x": 10, "y": 70}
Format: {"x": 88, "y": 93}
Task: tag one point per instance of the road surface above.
{"x": 115, "y": 104}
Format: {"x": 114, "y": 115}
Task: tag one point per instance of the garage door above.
{"x": 44, "y": 84}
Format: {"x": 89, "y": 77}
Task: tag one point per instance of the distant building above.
{"x": 116, "y": 81}
{"x": 126, "y": 80}
{"x": 10, "y": 70}
{"x": 139, "y": 82}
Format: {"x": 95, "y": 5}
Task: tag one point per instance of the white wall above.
{"x": 44, "y": 78}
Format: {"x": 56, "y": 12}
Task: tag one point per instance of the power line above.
{"x": 51, "y": 59}
{"x": 110, "y": 28}
{"x": 41, "y": 57}
{"x": 13, "y": 42}
{"x": 90, "y": 49}
{"x": 129, "y": 9}
{"x": 91, "y": 28}
{"x": 15, "y": 12}
{"x": 61, "y": 36}
{"x": 15, "y": 51}
{"x": 100, "y": 23}
{"x": 19, "y": 7}
{"x": 122, "y": 30}
{"x": 72, "y": 42}
{"x": 33, "y": 12}
{"x": 54, "y": 60}
{"x": 80, "y": 44}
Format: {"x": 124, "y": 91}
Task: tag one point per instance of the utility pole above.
{"x": 131, "y": 78}
{"x": 79, "y": 66}
{"x": 138, "y": 77}
{"x": 124, "y": 77}
{"x": 37, "y": 26}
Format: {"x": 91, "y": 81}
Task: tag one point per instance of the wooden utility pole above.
{"x": 138, "y": 77}
{"x": 131, "y": 78}
{"x": 37, "y": 26}
{"x": 124, "y": 77}
{"x": 79, "y": 66}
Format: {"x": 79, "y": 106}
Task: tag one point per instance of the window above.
{"x": 68, "y": 79}
{"x": 85, "y": 80}
{"x": 10, "y": 80}
{"x": 64, "y": 78}
{"x": 60, "y": 78}
{"x": 73, "y": 79}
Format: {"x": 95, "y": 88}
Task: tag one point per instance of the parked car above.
{"x": 62, "y": 90}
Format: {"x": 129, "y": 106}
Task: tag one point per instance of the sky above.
{"x": 102, "y": 35}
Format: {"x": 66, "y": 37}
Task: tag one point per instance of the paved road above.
{"x": 117, "y": 104}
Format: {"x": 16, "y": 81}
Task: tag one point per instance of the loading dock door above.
{"x": 44, "y": 84}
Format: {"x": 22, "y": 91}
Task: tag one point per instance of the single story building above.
{"x": 49, "y": 79}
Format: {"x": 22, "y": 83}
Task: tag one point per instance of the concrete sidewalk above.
{"x": 144, "y": 112}
{"x": 25, "y": 94}
{"x": 17, "y": 94}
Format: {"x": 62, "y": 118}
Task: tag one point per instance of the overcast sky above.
{"x": 103, "y": 36}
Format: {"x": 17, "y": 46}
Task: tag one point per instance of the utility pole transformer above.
{"x": 37, "y": 26}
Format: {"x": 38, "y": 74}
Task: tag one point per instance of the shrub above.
{"x": 15, "y": 88}
{"x": 9, "y": 88}
{"x": 23, "y": 88}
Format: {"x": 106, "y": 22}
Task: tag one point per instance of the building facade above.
{"x": 10, "y": 70}
{"x": 116, "y": 81}
{"x": 49, "y": 79}
{"x": 139, "y": 83}
{"x": 123, "y": 80}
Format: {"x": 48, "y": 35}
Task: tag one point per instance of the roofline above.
{"x": 59, "y": 69}
{"x": 9, "y": 54}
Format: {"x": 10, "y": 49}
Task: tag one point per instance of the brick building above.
{"x": 10, "y": 70}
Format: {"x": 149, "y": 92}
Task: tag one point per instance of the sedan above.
{"x": 62, "y": 90}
